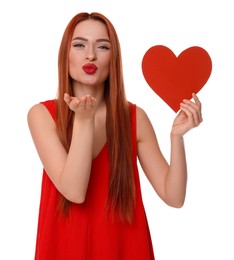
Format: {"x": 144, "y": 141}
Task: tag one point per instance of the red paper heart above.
{"x": 176, "y": 78}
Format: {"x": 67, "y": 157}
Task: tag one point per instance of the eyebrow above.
{"x": 84, "y": 39}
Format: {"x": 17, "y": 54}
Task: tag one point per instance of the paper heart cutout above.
{"x": 176, "y": 78}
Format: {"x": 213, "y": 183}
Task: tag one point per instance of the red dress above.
{"x": 87, "y": 233}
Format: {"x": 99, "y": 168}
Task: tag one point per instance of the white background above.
{"x": 31, "y": 32}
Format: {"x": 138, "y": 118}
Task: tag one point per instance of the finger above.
{"x": 188, "y": 113}
{"x": 194, "y": 109}
{"x": 191, "y": 113}
{"x": 191, "y": 103}
{"x": 198, "y": 102}
{"x": 94, "y": 101}
{"x": 81, "y": 103}
{"x": 196, "y": 99}
{"x": 67, "y": 98}
{"x": 88, "y": 102}
{"x": 74, "y": 104}
{"x": 196, "y": 106}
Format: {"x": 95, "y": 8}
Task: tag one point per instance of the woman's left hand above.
{"x": 190, "y": 116}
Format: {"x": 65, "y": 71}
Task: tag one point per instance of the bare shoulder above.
{"x": 144, "y": 126}
{"x": 141, "y": 114}
{"x": 39, "y": 116}
{"x": 37, "y": 110}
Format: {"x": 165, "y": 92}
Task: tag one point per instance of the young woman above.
{"x": 88, "y": 140}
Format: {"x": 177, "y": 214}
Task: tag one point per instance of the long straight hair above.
{"x": 121, "y": 189}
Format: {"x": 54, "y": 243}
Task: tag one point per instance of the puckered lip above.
{"x": 89, "y": 68}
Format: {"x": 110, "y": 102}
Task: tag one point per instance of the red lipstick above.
{"x": 89, "y": 68}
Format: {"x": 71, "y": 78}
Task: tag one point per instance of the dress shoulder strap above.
{"x": 51, "y": 106}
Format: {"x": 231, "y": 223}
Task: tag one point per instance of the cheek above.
{"x": 106, "y": 65}
{"x": 71, "y": 69}
{"x": 105, "y": 71}
{"x": 73, "y": 66}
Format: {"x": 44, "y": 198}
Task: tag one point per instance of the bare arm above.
{"x": 168, "y": 180}
{"x": 70, "y": 171}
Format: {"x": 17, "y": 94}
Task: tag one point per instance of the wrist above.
{"x": 176, "y": 136}
{"x": 84, "y": 118}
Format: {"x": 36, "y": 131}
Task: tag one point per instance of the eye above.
{"x": 103, "y": 47}
{"x": 78, "y": 45}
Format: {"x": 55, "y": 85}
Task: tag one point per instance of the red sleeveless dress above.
{"x": 87, "y": 233}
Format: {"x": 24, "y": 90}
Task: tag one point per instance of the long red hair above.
{"x": 121, "y": 190}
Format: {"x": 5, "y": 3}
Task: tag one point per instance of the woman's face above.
{"x": 90, "y": 52}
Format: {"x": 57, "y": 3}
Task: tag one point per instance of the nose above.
{"x": 91, "y": 54}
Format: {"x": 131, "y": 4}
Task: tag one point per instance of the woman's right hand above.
{"x": 84, "y": 108}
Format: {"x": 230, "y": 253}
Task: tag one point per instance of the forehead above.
{"x": 91, "y": 29}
